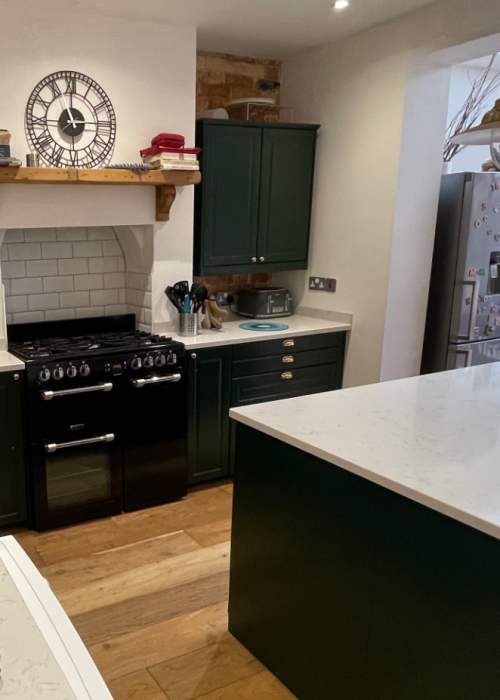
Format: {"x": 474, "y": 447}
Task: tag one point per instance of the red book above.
{"x": 155, "y": 150}
{"x": 170, "y": 140}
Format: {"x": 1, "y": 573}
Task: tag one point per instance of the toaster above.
{"x": 271, "y": 302}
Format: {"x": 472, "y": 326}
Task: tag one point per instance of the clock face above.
{"x": 70, "y": 121}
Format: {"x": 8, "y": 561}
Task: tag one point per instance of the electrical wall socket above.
{"x": 323, "y": 284}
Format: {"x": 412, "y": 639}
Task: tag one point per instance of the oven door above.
{"x": 76, "y": 457}
{"x": 155, "y": 467}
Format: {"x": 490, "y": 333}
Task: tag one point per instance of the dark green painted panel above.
{"x": 285, "y": 384}
{"x": 286, "y": 194}
{"x": 209, "y": 385}
{"x": 231, "y": 167}
{"x": 13, "y": 506}
{"x": 347, "y": 590}
{"x": 287, "y": 361}
{"x": 288, "y": 344}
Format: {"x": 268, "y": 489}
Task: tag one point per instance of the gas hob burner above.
{"x": 57, "y": 347}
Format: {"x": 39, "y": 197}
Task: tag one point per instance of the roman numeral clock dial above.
{"x": 70, "y": 121}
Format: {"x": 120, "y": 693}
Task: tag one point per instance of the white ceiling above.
{"x": 270, "y": 28}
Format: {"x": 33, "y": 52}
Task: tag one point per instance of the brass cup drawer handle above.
{"x": 287, "y": 375}
{"x": 289, "y": 343}
{"x": 288, "y": 359}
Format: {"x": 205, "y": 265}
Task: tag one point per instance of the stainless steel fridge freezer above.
{"x": 464, "y": 296}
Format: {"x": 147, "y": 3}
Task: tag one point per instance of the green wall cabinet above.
{"x": 253, "y": 372}
{"x": 13, "y": 506}
{"x": 253, "y": 208}
{"x": 209, "y": 386}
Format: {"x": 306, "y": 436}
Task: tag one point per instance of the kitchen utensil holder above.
{"x": 188, "y": 324}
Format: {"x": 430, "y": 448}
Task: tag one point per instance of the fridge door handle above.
{"x": 475, "y": 284}
{"x": 468, "y": 356}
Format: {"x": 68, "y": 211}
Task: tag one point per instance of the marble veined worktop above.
{"x": 434, "y": 439}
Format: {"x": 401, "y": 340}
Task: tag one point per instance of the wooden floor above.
{"x": 147, "y": 591}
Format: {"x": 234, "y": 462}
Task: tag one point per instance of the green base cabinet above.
{"x": 253, "y": 208}
{"x": 209, "y": 386}
{"x": 13, "y": 505}
{"x": 238, "y": 375}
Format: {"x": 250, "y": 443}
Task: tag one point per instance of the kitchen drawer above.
{"x": 288, "y": 361}
{"x": 286, "y": 384}
{"x": 288, "y": 344}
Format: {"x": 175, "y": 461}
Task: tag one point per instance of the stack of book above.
{"x": 168, "y": 152}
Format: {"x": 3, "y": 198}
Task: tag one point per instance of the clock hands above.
{"x": 67, "y": 108}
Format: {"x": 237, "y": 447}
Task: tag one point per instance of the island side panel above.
{"x": 347, "y": 590}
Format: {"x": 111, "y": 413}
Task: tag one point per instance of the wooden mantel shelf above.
{"x": 165, "y": 181}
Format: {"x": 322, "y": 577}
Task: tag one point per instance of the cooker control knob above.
{"x": 44, "y": 375}
{"x": 160, "y": 360}
{"x": 84, "y": 369}
{"x": 136, "y": 363}
{"x": 58, "y": 373}
{"x": 149, "y": 361}
{"x": 71, "y": 371}
{"x": 172, "y": 358}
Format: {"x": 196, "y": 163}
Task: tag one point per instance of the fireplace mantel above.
{"x": 165, "y": 181}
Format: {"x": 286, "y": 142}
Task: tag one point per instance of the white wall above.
{"x": 377, "y": 179}
{"x": 149, "y": 73}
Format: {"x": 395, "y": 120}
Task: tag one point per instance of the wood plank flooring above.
{"x": 147, "y": 592}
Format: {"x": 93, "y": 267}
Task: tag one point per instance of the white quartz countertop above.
{"x": 232, "y": 334}
{"x": 10, "y": 363}
{"x": 434, "y": 439}
{"x": 41, "y": 654}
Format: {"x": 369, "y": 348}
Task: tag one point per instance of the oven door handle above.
{"x": 52, "y": 447}
{"x": 49, "y": 395}
{"x": 168, "y": 378}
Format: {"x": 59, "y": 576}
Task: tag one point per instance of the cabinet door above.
{"x": 13, "y": 508}
{"x": 286, "y": 195}
{"x": 209, "y": 386}
{"x": 231, "y": 170}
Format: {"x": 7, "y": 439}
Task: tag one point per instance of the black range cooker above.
{"x": 106, "y": 418}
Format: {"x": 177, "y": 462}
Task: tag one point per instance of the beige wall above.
{"x": 383, "y": 111}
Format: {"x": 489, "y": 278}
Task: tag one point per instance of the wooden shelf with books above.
{"x": 165, "y": 181}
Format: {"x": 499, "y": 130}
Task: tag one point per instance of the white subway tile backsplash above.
{"x": 56, "y": 250}
{"x": 75, "y": 299}
{"x": 15, "y": 304}
{"x": 73, "y": 266}
{"x": 89, "y": 312}
{"x": 37, "y": 235}
{"x": 101, "y": 233}
{"x": 88, "y": 282}
{"x": 72, "y": 234}
{"x": 115, "y": 309}
{"x": 111, "y": 248}
{"x": 60, "y": 314}
{"x": 14, "y": 236}
{"x": 104, "y": 297}
{"x": 87, "y": 249}
{"x": 114, "y": 280}
{"x": 104, "y": 264}
{"x": 28, "y": 317}
{"x": 60, "y": 283}
{"x": 40, "y": 302}
{"x": 13, "y": 269}
{"x": 41, "y": 268}
{"x": 52, "y": 274}
{"x": 25, "y": 251}
{"x": 26, "y": 285}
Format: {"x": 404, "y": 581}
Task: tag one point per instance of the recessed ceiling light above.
{"x": 340, "y": 4}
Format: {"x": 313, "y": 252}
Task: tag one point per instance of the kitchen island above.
{"x": 365, "y": 549}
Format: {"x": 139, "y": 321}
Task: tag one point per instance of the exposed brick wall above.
{"x": 223, "y": 77}
{"x": 232, "y": 283}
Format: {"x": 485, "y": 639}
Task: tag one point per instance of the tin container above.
{"x": 32, "y": 160}
{"x": 188, "y": 324}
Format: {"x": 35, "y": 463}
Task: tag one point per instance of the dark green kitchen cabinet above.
{"x": 253, "y": 208}
{"x": 13, "y": 506}
{"x": 209, "y": 388}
